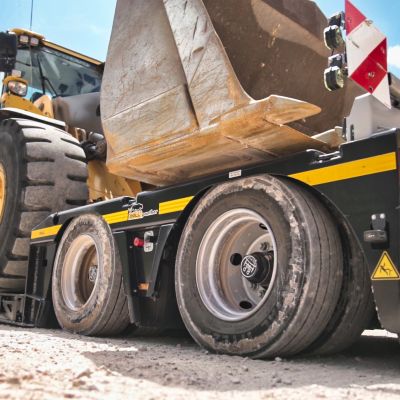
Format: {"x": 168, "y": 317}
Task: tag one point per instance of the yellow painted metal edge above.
{"x": 172, "y": 206}
{"x": 117, "y": 217}
{"x": 113, "y": 218}
{"x": 44, "y": 232}
{"x": 3, "y": 191}
{"x": 71, "y": 52}
{"x": 21, "y": 31}
{"x": 349, "y": 170}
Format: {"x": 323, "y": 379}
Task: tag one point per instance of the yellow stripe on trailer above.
{"x": 353, "y": 169}
{"x": 113, "y": 218}
{"x": 117, "y": 217}
{"x": 172, "y": 206}
{"x": 45, "y": 232}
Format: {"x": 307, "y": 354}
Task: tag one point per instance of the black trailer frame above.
{"x": 359, "y": 184}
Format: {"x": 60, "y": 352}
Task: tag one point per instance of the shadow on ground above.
{"x": 181, "y": 363}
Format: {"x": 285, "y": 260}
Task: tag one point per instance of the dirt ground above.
{"x": 51, "y": 364}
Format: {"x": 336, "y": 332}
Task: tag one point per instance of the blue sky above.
{"x": 85, "y": 25}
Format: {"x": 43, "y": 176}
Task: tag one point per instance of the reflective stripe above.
{"x": 116, "y": 217}
{"x": 349, "y": 170}
{"x": 44, "y": 232}
{"x": 172, "y": 206}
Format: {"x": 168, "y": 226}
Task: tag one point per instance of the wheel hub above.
{"x": 80, "y": 272}
{"x": 3, "y": 182}
{"x": 239, "y": 242}
{"x": 257, "y": 267}
{"x": 92, "y": 273}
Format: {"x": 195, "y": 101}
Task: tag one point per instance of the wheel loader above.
{"x": 271, "y": 205}
{"x": 53, "y": 147}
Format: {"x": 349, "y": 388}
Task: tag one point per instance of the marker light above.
{"x": 34, "y": 41}
{"x": 18, "y": 88}
{"x": 334, "y": 78}
{"x": 333, "y": 37}
{"x": 24, "y": 39}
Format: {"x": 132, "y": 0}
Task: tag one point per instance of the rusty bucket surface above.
{"x": 192, "y": 87}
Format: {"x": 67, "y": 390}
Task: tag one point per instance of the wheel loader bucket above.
{"x": 194, "y": 87}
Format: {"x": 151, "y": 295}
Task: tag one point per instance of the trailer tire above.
{"x": 356, "y": 306}
{"x": 87, "y": 287}
{"x": 42, "y": 170}
{"x": 299, "y": 299}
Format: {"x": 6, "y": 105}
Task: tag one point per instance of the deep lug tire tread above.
{"x": 39, "y": 156}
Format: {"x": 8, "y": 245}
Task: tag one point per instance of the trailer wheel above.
{"x": 259, "y": 268}
{"x": 42, "y": 170}
{"x": 87, "y": 288}
{"x": 355, "y": 308}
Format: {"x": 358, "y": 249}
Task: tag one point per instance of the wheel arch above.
{"x": 176, "y": 233}
{"x": 349, "y": 239}
{"x": 345, "y": 228}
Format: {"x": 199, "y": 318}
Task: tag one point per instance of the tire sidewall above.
{"x": 86, "y": 319}
{"x": 278, "y": 209}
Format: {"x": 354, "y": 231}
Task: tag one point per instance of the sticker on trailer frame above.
{"x": 135, "y": 211}
{"x": 235, "y": 174}
{"x": 385, "y": 269}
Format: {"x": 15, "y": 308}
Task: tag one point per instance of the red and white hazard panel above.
{"x": 367, "y": 54}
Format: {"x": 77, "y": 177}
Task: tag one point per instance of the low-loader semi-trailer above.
{"x": 59, "y": 89}
{"x": 266, "y": 241}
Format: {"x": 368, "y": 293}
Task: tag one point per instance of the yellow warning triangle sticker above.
{"x": 385, "y": 269}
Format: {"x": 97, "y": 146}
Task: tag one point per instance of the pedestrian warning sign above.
{"x": 385, "y": 269}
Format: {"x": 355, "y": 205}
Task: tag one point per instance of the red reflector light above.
{"x": 137, "y": 242}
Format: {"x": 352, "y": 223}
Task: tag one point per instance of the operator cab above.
{"x": 51, "y": 80}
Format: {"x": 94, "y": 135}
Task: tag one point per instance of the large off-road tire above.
{"x": 87, "y": 287}
{"x": 43, "y": 170}
{"x": 288, "y": 311}
{"x": 356, "y": 306}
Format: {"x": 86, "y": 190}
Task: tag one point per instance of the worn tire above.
{"x": 355, "y": 308}
{"x": 308, "y": 278}
{"x": 105, "y": 311}
{"x": 45, "y": 172}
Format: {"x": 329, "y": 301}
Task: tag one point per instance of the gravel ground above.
{"x": 51, "y": 364}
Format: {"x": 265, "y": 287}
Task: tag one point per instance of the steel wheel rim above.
{"x": 80, "y": 272}
{"x": 3, "y": 193}
{"x": 222, "y": 288}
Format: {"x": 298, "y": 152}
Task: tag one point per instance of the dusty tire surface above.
{"x": 309, "y": 270}
{"x": 355, "y": 308}
{"x": 103, "y": 310}
{"x": 45, "y": 172}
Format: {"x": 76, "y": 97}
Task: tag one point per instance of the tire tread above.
{"x": 45, "y": 157}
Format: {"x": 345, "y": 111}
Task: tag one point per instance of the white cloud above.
{"x": 394, "y": 56}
